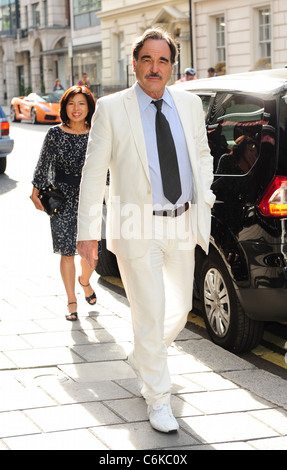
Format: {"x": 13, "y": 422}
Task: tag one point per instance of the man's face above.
{"x": 153, "y": 68}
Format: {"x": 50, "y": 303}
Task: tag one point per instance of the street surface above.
{"x": 68, "y": 386}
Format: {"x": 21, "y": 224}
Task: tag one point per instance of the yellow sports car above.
{"x": 36, "y": 108}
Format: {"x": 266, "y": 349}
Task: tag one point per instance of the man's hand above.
{"x": 88, "y": 250}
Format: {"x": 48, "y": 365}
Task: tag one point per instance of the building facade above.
{"x": 48, "y": 39}
{"x": 245, "y": 35}
{"x": 124, "y": 20}
{"x": 33, "y": 39}
{"x": 85, "y": 49}
{"x": 228, "y": 35}
{"x": 41, "y": 40}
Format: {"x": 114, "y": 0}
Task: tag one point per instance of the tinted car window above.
{"x": 282, "y": 164}
{"x": 234, "y": 133}
{"x": 205, "y": 103}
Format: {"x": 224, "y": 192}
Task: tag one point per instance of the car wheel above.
{"x": 226, "y": 321}
{"x": 33, "y": 116}
{"x": 13, "y": 115}
{"x": 3, "y": 164}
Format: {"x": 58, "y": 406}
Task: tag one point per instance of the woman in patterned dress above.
{"x": 61, "y": 160}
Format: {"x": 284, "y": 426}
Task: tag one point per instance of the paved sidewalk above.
{"x": 68, "y": 386}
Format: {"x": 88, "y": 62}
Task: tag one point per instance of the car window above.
{"x": 282, "y": 162}
{"x": 234, "y": 132}
{"x": 205, "y": 102}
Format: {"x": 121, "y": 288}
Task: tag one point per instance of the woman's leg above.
{"x": 68, "y": 272}
{"x": 84, "y": 280}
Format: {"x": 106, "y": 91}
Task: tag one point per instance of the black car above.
{"x": 6, "y": 143}
{"x": 242, "y": 282}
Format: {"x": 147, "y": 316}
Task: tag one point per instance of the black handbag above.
{"x": 51, "y": 198}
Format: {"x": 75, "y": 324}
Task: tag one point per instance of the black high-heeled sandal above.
{"x": 91, "y": 297}
{"x": 73, "y": 314}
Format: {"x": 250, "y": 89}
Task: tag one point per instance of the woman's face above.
{"x": 77, "y": 108}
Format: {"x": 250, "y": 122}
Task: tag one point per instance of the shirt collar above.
{"x": 145, "y": 100}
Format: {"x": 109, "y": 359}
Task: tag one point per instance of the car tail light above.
{"x": 274, "y": 201}
{"x": 4, "y": 128}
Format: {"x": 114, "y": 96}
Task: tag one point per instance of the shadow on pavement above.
{"x": 7, "y": 184}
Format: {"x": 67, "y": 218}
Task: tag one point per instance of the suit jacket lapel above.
{"x": 188, "y": 120}
{"x": 133, "y": 112}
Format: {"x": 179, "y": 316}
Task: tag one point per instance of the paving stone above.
{"x": 101, "y": 352}
{"x": 225, "y": 401}
{"x": 79, "y": 439}
{"x": 44, "y": 357}
{"x": 137, "y": 436}
{"x": 275, "y": 443}
{"x": 13, "y": 342}
{"x": 19, "y": 327}
{"x": 211, "y": 381}
{"x": 5, "y": 362}
{"x": 55, "y": 339}
{"x": 63, "y": 418}
{"x": 71, "y": 392}
{"x": 183, "y": 364}
{"x": 98, "y": 371}
{"x": 35, "y": 376}
{"x": 21, "y": 399}
{"x": 263, "y": 383}
{"x": 15, "y": 423}
{"x": 275, "y": 418}
{"x": 228, "y": 427}
{"x": 214, "y": 357}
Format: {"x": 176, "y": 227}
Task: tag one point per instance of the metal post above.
{"x": 190, "y": 33}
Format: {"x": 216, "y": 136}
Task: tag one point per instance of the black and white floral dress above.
{"x": 62, "y": 154}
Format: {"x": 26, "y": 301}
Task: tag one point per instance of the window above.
{"x": 36, "y": 15}
{"x": 81, "y": 6}
{"x": 45, "y": 10}
{"x": 264, "y": 34}
{"x": 121, "y": 58}
{"x": 234, "y": 133}
{"x": 85, "y": 13}
{"x": 7, "y": 16}
{"x": 220, "y": 39}
{"x": 205, "y": 98}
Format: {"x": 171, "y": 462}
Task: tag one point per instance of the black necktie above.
{"x": 167, "y": 156}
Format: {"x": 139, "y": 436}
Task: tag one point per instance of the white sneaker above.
{"x": 162, "y": 419}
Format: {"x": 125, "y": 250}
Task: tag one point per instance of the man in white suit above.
{"x": 153, "y": 239}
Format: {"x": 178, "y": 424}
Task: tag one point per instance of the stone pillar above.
{"x": 10, "y": 80}
{"x": 48, "y": 72}
{"x": 36, "y": 74}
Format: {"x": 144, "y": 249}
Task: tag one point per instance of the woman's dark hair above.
{"x": 74, "y": 90}
{"x": 156, "y": 33}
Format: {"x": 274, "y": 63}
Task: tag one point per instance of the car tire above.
{"x": 226, "y": 322}
{"x": 3, "y": 164}
{"x": 13, "y": 114}
{"x": 107, "y": 262}
{"x": 34, "y": 116}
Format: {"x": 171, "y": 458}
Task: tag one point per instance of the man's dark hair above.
{"x": 159, "y": 34}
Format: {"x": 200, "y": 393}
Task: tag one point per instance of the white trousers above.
{"x": 159, "y": 287}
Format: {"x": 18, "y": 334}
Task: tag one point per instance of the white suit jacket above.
{"x": 117, "y": 142}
